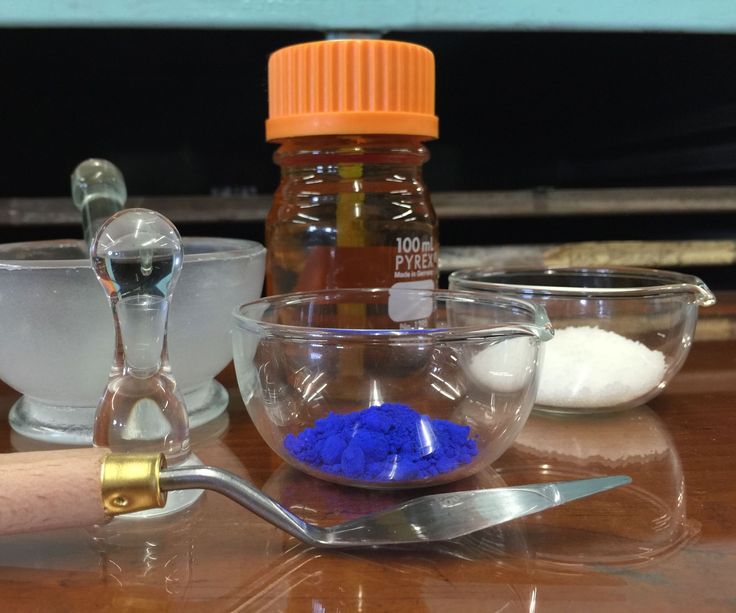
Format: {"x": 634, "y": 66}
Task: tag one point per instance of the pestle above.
{"x": 98, "y": 191}
{"x": 137, "y": 257}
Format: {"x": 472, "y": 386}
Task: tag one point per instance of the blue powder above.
{"x": 391, "y": 442}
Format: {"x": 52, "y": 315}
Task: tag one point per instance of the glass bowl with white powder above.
{"x": 621, "y": 334}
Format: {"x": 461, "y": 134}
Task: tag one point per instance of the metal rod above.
{"x": 242, "y": 492}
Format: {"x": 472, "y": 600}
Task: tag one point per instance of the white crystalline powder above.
{"x": 585, "y": 366}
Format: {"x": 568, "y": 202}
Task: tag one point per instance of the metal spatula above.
{"x": 53, "y": 489}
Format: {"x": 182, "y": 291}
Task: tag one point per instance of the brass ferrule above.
{"x": 130, "y": 482}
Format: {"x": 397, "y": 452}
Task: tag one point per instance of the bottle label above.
{"x": 410, "y": 308}
{"x": 409, "y": 259}
{"x": 415, "y": 258}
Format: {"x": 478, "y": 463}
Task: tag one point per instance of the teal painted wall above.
{"x": 335, "y": 15}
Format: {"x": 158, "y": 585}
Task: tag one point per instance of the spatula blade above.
{"x": 441, "y": 517}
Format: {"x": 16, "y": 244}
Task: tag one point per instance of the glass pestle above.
{"x": 98, "y": 191}
{"x": 137, "y": 257}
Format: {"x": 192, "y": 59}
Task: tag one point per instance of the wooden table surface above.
{"x": 665, "y": 543}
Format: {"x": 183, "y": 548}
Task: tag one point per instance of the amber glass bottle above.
{"x": 352, "y": 210}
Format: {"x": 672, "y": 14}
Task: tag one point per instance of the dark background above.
{"x": 181, "y": 112}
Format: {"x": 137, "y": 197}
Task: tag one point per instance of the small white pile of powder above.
{"x": 504, "y": 366}
{"x": 585, "y": 366}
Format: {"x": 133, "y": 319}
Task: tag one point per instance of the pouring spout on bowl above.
{"x": 703, "y": 296}
{"x": 540, "y": 332}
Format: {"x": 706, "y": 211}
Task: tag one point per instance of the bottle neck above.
{"x": 319, "y": 153}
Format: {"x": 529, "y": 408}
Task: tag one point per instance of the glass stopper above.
{"x": 137, "y": 257}
{"x": 98, "y": 191}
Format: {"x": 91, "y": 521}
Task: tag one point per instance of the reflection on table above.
{"x": 635, "y": 548}
{"x": 632, "y": 525}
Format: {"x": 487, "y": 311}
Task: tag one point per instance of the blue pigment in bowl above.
{"x": 390, "y": 442}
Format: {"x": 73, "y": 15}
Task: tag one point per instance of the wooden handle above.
{"x": 44, "y": 490}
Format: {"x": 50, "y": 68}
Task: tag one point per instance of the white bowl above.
{"x": 57, "y": 330}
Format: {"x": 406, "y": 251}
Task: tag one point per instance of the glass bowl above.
{"x": 376, "y": 387}
{"x": 621, "y": 334}
{"x": 57, "y": 330}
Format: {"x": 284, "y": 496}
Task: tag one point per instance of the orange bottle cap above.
{"x": 351, "y": 87}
